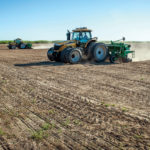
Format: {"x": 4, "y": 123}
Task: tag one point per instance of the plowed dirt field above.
{"x": 49, "y": 105}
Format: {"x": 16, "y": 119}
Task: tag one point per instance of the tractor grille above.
{"x": 57, "y": 47}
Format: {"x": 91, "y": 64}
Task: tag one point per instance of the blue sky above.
{"x": 49, "y": 19}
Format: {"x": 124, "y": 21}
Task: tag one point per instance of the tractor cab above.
{"x": 83, "y": 35}
{"x": 18, "y": 41}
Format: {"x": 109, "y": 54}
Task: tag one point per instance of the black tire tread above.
{"x": 67, "y": 55}
{"x": 63, "y": 55}
{"x": 49, "y": 56}
{"x": 89, "y": 50}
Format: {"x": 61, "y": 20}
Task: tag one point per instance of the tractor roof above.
{"x": 83, "y": 29}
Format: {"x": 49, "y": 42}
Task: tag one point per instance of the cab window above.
{"x": 81, "y": 36}
{"x": 86, "y": 35}
{"x": 75, "y": 36}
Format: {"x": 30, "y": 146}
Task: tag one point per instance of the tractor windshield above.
{"x": 81, "y": 36}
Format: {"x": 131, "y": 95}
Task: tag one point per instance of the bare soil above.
{"x": 51, "y": 105}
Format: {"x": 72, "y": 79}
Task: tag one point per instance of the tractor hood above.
{"x": 64, "y": 42}
{"x": 59, "y": 46}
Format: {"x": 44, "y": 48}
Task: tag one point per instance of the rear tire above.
{"x": 22, "y": 46}
{"x": 89, "y": 50}
{"x": 100, "y": 52}
{"x": 73, "y": 56}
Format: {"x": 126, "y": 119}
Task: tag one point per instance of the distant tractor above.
{"x": 82, "y": 44}
{"x": 18, "y": 43}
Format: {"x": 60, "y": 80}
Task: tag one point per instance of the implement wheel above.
{"x": 73, "y": 56}
{"x": 100, "y": 52}
{"x": 112, "y": 59}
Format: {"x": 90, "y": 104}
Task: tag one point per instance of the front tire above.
{"x": 50, "y": 54}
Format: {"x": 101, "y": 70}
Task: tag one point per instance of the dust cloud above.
{"x": 142, "y": 51}
{"x": 42, "y": 46}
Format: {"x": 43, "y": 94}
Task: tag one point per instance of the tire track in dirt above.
{"x": 103, "y": 127}
{"x": 4, "y": 144}
{"x": 81, "y": 79}
{"x": 63, "y": 107}
{"x": 28, "y": 124}
{"x": 102, "y": 88}
{"x": 105, "y": 87}
{"x": 142, "y": 84}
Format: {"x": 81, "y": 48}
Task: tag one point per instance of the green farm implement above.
{"x": 119, "y": 50}
{"x": 18, "y": 43}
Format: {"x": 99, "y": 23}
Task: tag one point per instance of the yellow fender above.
{"x": 92, "y": 40}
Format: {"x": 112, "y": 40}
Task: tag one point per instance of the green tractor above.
{"x": 80, "y": 43}
{"x": 18, "y": 43}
